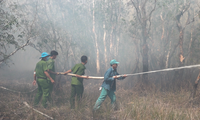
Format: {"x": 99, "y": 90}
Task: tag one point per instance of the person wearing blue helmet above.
{"x": 109, "y": 85}
{"x": 40, "y": 77}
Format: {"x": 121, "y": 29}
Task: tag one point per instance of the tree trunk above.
{"x": 145, "y": 54}
{"x": 143, "y": 16}
{"x": 111, "y": 44}
{"x": 179, "y": 74}
{"x": 105, "y": 46}
{"x": 117, "y": 46}
{"x": 96, "y": 42}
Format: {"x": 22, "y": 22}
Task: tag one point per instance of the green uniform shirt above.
{"x": 41, "y": 66}
{"x": 50, "y": 66}
{"x": 78, "y": 69}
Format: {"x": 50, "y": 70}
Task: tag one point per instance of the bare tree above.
{"x": 144, "y": 18}
{"x": 14, "y": 32}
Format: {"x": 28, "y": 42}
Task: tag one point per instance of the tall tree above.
{"x": 95, "y": 39}
{"x": 144, "y": 15}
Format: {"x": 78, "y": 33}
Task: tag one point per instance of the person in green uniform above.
{"x": 51, "y": 70}
{"x": 40, "y": 77}
{"x": 77, "y": 82}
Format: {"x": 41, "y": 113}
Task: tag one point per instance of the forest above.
{"x": 143, "y": 35}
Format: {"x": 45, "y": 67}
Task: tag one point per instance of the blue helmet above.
{"x": 113, "y": 62}
{"x": 44, "y": 54}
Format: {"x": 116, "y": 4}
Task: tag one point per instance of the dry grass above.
{"x": 132, "y": 105}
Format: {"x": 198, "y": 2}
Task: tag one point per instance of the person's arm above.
{"x": 56, "y": 73}
{"x": 48, "y": 76}
{"x": 107, "y": 76}
{"x": 50, "y": 66}
{"x": 121, "y": 77}
{"x": 69, "y": 71}
{"x": 45, "y": 69}
{"x": 197, "y": 80}
{"x": 34, "y": 76}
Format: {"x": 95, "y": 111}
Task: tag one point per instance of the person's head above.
{"x": 114, "y": 63}
{"x": 53, "y": 54}
{"x": 84, "y": 59}
{"x": 44, "y": 56}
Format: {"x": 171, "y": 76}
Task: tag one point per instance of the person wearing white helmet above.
{"x": 109, "y": 85}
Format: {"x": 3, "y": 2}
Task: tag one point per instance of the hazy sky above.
{"x": 23, "y": 60}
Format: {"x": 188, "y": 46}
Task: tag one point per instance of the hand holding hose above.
{"x": 118, "y": 76}
{"x": 125, "y": 75}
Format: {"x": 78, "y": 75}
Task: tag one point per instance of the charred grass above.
{"x": 132, "y": 104}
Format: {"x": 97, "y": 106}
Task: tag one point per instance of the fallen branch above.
{"x": 25, "y": 103}
{"x": 16, "y": 91}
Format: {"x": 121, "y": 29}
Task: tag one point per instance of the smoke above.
{"x": 67, "y": 27}
{"x": 20, "y": 65}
